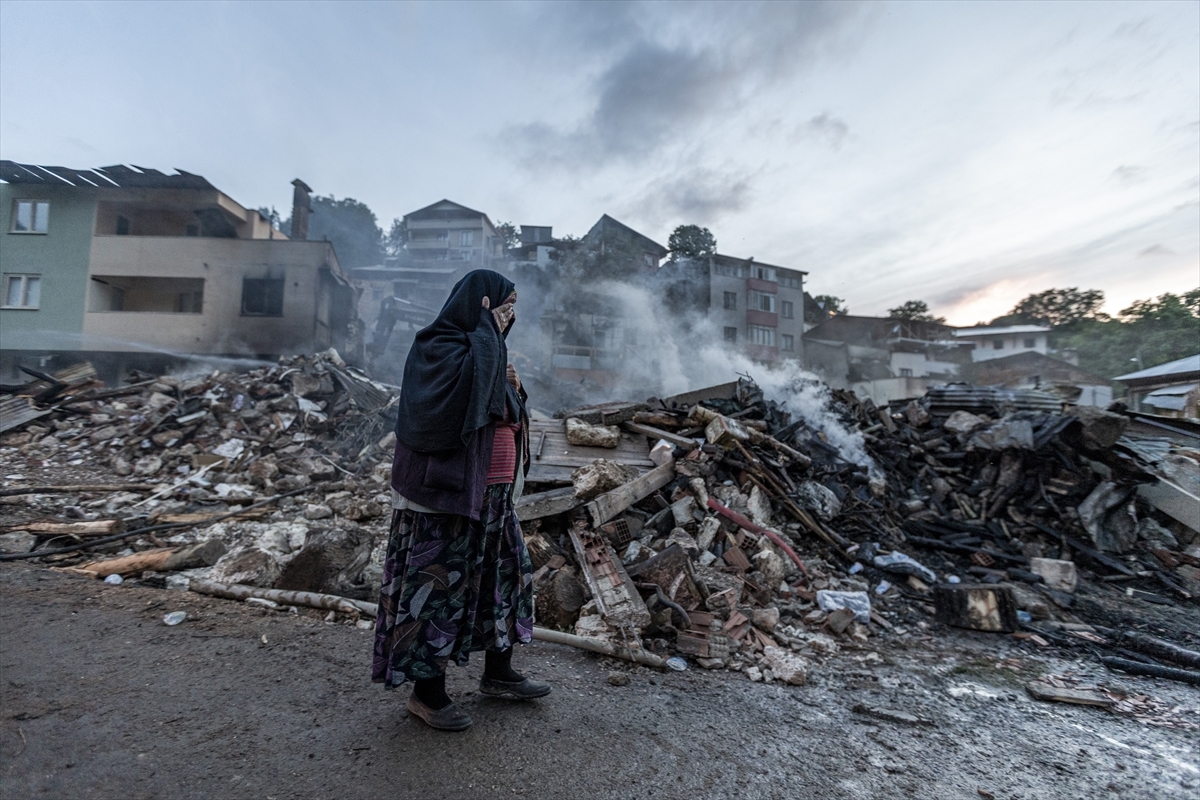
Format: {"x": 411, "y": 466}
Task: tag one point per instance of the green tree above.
{"x": 1146, "y": 334}
{"x": 352, "y": 228}
{"x": 508, "y": 232}
{"x": 832, "y": 305}
{"x": 915, "y": 310}
{"x": 691, "y": 241}
{"x": 1057, "y": 308}
{"x": 396, "y": 238}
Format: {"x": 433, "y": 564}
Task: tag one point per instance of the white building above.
{"x": 1003, "y": 342}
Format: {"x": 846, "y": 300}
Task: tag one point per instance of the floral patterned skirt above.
{"x": 451, "y": 585}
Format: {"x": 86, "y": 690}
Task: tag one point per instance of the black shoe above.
{"x": 524, "y": 689}
{"x": 450, "y": 718}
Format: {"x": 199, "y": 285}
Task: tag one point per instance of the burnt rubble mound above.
{"x": 722, "y": 527}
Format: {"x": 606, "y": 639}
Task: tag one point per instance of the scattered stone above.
{"x": 819, "y": 499}
{"x": 316, "y": 511}
{"x": 618, "y": 679}
{"x": 786, "y": 666}
{"x": 17, "y": 542}
{"x": 963, "y": 422}
{"x": 765, "y": 619}
{"x": 599, "y": 477}
{"x": 248, "y": 565}
{"x": 147, "y": 466}
{"x": 1059, "y": 575}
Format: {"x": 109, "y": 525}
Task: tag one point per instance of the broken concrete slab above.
{"x": 585, "y": 435}
{"x": 1059, "y": 575}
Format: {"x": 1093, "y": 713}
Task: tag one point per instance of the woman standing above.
{"x": 457, "y": 577}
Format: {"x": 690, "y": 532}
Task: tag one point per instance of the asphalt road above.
{"x": 101, "y": 700}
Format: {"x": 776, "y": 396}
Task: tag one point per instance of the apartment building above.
{"x": 1005, "y": 341}
{"x": 128, "y": 265}
{"x": 758, "y": 308}
{"x": 449, "y": 231}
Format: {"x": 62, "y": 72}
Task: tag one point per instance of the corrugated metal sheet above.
{"x": 988, "y": 399}
{"x": 16, "y": 411}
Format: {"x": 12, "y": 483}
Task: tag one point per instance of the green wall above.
{"x": 60, "y": 256}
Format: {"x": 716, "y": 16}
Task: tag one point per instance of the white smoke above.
{"x": 675, "y": 355}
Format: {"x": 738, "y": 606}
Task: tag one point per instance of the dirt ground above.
{"x": 101, "y": 700}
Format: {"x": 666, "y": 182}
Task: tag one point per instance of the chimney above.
{"x": 301, "y": 206}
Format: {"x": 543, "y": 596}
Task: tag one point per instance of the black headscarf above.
{"x": 454, "y": 379}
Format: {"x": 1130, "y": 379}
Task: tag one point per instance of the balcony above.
{"x": 767, "y": 319}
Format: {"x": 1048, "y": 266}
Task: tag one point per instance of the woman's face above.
{"x": 504, "y": 313}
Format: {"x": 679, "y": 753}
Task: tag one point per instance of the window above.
{"x": 466, "y": 238}
{"x": 787, "y": 309}
{"x": 141, "y": 293}
{"x": 762, "y": 301}
{"x": 31, "y": 216}
{"x": 649, "y": 259}
{"x": 764, "y": 273}
{"x": 1030, "y": 343}
{"x": 731, "y": 300}
{"x": 791, "y": 281}
{"x": 905, "y": 372}
{"x": 731, "y": 335}
{"x": 787, "y": 342}
{"x": 262, "y": 297}
{"x": 731, "y": 270}
{"x": 22, "y": 291}
{"x": 189, "y": 302}
{"x": 123, "y": 226}
{"x": 759, "y": 334}
{"x": 998, "y": 344}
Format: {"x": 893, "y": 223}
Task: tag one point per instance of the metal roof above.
{"x": 1001, "y": 331}
{"x": 1180, "y": 367}
{"x": 992, "y": 399}
{"x": 116, "y": 176}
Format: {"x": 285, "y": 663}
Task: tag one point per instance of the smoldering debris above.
{"x": 287, "y": 466}
{"x": 755, "y": 528}
{"x": 771, "y": 540}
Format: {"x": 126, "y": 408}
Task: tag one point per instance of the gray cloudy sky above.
{"x": 962, "y": 153}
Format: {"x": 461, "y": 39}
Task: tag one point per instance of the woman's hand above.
{"x": 513, "y": 378}
{"x": 503, "y": 314}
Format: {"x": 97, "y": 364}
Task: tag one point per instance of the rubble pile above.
{"x": 766, "y": 550}
{"x": 182, "y": 452}
{"x": 721, "y": 527}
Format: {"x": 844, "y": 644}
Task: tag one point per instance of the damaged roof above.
{"x": 1179, "y": 367}
{"x": 606, "y": 222}
{"x": 116, "y": 176}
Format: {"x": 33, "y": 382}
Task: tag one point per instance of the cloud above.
{"x": 667, "y": 76}
{"x": 699, "y": 196}
{"x": 1157, "y": 250}
{"x": 1129, "y": 174}
{"x": 825, "y": 128}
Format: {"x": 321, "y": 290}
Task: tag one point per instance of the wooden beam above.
{"x": 659, "y": 433}
{"x": 609, "y": 504}
{"x": 546, "y": 504}
{"x": 100, "y": 527}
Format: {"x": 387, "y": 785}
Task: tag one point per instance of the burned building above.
{"x": 884, "y": 359}
{"x": 758, "y": 308}
{"x": 1032, "y": 370}
{"x": 129, "y": 266}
